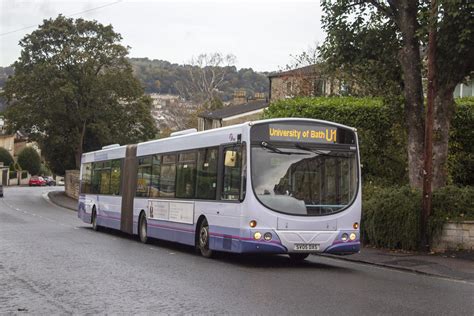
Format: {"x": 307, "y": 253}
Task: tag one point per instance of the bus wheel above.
{"x": 142, "y": 229}
{"x": 94, "y": 220}
{"x": 298, "y": 257}
{"x": 204, "y": 240}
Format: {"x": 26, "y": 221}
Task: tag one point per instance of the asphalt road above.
{"x": 52, "y": 263}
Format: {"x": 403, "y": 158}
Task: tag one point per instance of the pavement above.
{"x": 455, "y": 265}
{"x": 52, "y": 263}
{"x": 61, "y": 199}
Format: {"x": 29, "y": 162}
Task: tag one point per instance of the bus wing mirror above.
{"x": 230, "y": 158}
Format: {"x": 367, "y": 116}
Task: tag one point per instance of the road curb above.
{"x": 395, "y": 267}
{"x": 53, "y": 199}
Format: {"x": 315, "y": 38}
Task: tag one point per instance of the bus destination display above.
{"x": 302, "y": 133}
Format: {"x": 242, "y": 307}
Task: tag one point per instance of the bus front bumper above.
{"x": 335, "y": 242}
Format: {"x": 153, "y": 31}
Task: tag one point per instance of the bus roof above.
{"x": 119, "y": 151}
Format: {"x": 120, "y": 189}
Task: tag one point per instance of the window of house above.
{"x": 319, "y": 87}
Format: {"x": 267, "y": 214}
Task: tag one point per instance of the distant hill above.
{"x": 159, "y": 76}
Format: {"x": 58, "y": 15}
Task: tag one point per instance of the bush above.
{"x": 382, "y": 138}
{"x": 5, "y": 157}
{"x": 391, "y": 215}
{"x": 29, "y": 160}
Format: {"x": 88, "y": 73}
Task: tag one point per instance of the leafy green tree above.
{"x": 73, "y": 91}
{"x": 382, "y": 42}
{"x": 29, "y": 160}
{"x": 5, "y": 157}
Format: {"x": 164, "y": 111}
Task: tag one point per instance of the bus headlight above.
{"x": 267, "y": 236}
{"x": 356, "y": 225}
{"x": 257, "y": 235}
{"x": 344, "y": 237}
{"x": 352, "y": 236}
{"x": 253, "y": 223}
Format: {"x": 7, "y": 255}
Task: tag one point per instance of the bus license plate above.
{"x": 309, "y": 247}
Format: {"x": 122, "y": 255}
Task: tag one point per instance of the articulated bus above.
{"x": 283, "y": 186}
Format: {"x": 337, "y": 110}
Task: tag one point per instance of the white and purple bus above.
{"x": 285, "y": 186}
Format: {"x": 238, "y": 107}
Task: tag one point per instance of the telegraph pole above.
{"x": 428, "y": 150}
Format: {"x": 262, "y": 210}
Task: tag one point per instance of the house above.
{"x": 309, "y": 81}
{"x": 465, "y": 89}
{"x": 233, "y": 114}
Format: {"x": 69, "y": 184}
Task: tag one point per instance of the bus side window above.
{"x": 96, "y": 166}
{"x": 115, "y": 177}
{"x": 155, "y": 176}
{"x": 206, "y": 182}
{"x": 168, "y": 176}
{"x": 186, "y": 175}
{"x": 143, "y": 176}
{"x": 232, "y": 173}
{"x": 86, "y": 178}
{"x": 104, "y": 187}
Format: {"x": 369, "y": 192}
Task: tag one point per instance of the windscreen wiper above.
{"x": 319, "y": 152}
{"x": 277, "y": 150}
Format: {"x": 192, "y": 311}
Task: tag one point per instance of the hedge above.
{"x": 461, "y": 144}
{"x": 391, "y": 215}
{"x": 382, "y": 135}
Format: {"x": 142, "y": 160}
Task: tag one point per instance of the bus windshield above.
{"x": 303, "y": 178}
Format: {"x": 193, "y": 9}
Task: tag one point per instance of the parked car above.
{"x": 50, "y": 181}
{"x": 36, "y": 181}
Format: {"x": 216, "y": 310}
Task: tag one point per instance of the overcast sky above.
{"x": 262, "y": 34}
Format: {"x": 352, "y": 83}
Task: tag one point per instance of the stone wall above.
{"x": 71, "y": 183}
{"x": 455, "y": 236}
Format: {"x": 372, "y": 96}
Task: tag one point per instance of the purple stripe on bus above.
{"x": 171, "y": 228}
{"x": 109, "y": 217}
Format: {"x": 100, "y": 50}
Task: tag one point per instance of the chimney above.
{"x": 239, "y": 97}
{"x": 260, "y": 96}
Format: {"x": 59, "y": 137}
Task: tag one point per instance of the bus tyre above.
{"x": 203, "y": 240}
{"x": 143, "y": 229}
{"x": 94, "y": 220}
{"x": 298, "y": 257}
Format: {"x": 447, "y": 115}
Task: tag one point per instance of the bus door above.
{"x": 129, "y": 183}
{"x": 232, "y": 184}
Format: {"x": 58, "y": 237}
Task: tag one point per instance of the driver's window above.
{"x": 232, "y": 173}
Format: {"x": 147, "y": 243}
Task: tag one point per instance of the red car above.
{"x": 36, "y": 181}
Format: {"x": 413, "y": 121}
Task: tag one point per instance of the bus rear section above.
{"x": 305, "y": 179}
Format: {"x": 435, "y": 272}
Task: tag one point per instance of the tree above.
{"x": 206, "y": 74}
{"x": 363, "y": 37}
{"x": 29, "y": 160}
{"x": 74, "y": 90}
{"x": 5, "y": 157}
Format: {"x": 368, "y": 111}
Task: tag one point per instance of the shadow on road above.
{"x": 243, "y": 260}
